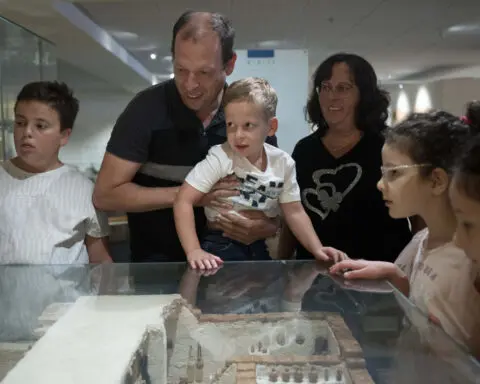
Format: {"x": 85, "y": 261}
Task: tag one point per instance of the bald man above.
{"x": 163, "y": 132}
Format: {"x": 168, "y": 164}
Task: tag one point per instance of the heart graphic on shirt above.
{"x": 326, "y": 193}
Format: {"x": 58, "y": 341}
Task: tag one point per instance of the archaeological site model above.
{"x": 160, "y": 339}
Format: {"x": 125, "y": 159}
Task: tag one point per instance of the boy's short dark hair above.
{"x": 56, "y": 95}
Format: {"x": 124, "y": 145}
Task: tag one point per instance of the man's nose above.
{"x": 191, "y": 82}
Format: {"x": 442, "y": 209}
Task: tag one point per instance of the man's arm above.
{"x": 114, "y": 190}
{"x": 127, "y": 149}
{"x": 97, "y": 249}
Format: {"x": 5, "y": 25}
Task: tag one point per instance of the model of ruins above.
{"x": 162, "y": 340}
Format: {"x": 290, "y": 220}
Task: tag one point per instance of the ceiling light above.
{"x": 172, "y": 76}
{"x": 124, "y": 35}
{"x": 153, "y": 56}
{"x": 463, "y": 29}
{"x": 167, "y": 58}
{"x": 143, "y": 48}
{"x": 270, "y": 43}
{"x": 400, "y": 86}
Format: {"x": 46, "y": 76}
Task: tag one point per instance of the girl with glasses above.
{"x": 418, "y": 158}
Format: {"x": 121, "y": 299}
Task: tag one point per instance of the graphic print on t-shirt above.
{"x": 331, "y": 188}
{"x": 256, "y": 193}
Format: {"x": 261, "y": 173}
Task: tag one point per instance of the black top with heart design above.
{"x": 341, "y": 197}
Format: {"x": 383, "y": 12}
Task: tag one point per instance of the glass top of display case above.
{"x": 262, "y": 322}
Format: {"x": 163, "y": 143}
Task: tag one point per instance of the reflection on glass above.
{"x": 48, "y": 55}
{"x": 24, "y": 57}
{"x": 425, "y": 353}
{"x": 147, "y": 322}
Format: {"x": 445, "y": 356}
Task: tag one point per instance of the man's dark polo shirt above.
{"x": 159, "y": 131}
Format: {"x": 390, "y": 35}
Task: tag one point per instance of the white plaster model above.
{"x": 96, "y": 341}
{"x": 10, "y": 354}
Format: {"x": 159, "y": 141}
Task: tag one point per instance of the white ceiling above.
{"x": 401, "y": 37}
{"x": 404, "y": 39}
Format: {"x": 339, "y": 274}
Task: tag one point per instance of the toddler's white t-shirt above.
{"x": 259, "y": 190}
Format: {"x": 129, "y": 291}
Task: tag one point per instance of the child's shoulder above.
{"x": 278, "y": 157}
{"x": 420, "y": 236}
{"x": 408, "y": 253}
{"x": 220, "y": 150}
{"x": 277, "y": 152}
{"x": 76, "y": 185}
{"x": 74, "y": 179}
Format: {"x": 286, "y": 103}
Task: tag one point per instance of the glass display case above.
{"x": 262, "y": 322}
{"x": 24, "y": 57}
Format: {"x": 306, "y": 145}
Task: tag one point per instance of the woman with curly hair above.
{"x": 338, "y": 166}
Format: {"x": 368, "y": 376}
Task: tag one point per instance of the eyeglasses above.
{"x": 390, "y": 173}
{"x": 341, "y": 90}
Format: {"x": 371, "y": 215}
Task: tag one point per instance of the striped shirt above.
{"x": 45, "y": 217}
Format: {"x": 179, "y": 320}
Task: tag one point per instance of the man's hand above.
{"x": 220, "y": 191}
{"x": 246, "y": 227}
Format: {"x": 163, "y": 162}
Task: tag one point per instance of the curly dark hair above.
{"x": 372, "y": 109}
{"x": 467, "y": 168}
{"x": 436, "y": 138}
{"x": 473, "y": 113}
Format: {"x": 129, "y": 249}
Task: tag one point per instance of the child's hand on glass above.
{"x": 363, "y": 269}
{"x": 200, "y": 259}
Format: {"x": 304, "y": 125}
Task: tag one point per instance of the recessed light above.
{"x": 153, "y": 56}
{"x": 172, "y": 76}
{"x": 400, "y": 86}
